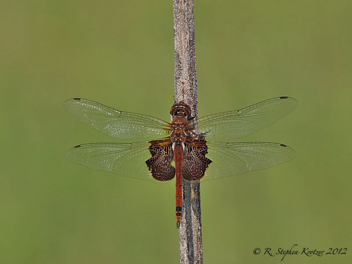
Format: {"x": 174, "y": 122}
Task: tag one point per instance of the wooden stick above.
{"x": 190, "y": 232}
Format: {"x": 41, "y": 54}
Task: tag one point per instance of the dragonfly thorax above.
{"x": 178, "y": 129}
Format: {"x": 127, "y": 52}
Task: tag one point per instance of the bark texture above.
{"x": 190, "y": 232}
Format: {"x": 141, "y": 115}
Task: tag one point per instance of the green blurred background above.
{"x": 120, "y": 53}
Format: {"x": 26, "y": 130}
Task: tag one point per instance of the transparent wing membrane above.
{"x": 118, "y": 124}
{"x": 124, "y": 159}
{"x": 228, "y": 126}
{"x": 229, "y": 159}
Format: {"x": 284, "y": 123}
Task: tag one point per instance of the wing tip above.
{"x": 70, "y": 150}
{"x": 73, "y": 99}
{"x": 293, "y": 153}
{"x": 288, "y": 98}
{"x": 69, "y": 102}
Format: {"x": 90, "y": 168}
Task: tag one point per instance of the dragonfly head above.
{"x": 180, "y": 110}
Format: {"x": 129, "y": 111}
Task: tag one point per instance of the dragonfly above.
{"x": 152, "y": 149}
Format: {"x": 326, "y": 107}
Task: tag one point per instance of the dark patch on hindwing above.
{"x": 159, "y": 164}
{"x": 195, "y": 163}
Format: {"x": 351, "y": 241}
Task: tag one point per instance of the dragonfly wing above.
{"x": 194, "y": 162}
{"x": 115, "y": 123}
{"x": 160, "y": 163}
{"x": 123, "y": 159}
{"x": 229, "y": 159}
{"x": 240, "y": 123}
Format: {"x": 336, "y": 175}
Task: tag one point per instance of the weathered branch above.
{"x": 190, "y": 233}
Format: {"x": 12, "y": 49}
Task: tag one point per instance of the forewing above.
{"x": 229, "y": 159}
{"x": 228, "y": 126}
{"x": 124, "y": 159}
{"x": 118, "y": 124}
